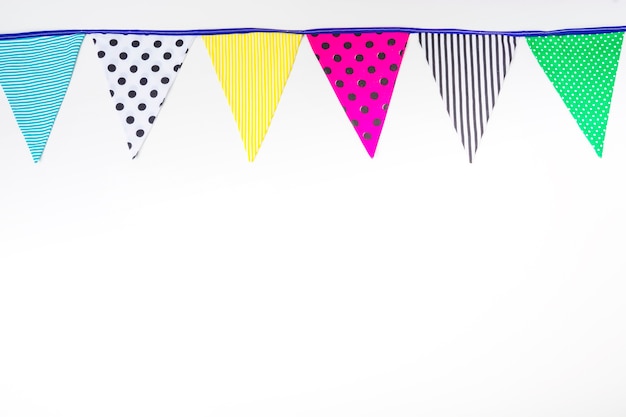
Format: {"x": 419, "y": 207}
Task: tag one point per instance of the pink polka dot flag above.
{"x": 362, "y": 69}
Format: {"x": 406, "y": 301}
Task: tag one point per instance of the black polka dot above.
{"x": 113, "y": 42}
{"x": 381, "y": 55}
{"x": 167, "y": 55}
{"x": 143, "y": 81}
{"x": 369, "y": 44}
{"x": 111, "y": 68}
{"x": 135, "y": 44}
{"x": 336, "y": 35}
{"x": 349, "y": 70}
{"x": 361, "y": 83}
{"x": 145, "y": 57}
{"x": 401, "y": 52}
{"x": 317, "y": 56}
{"x": 154, "y": 93}
{"x": 157, "y": 44}
{"x": 94, "y": 41}
{"x": 364, "y": 109}
{"x": 176, "y": 68}
{"x": 393, "y": 67}
{"x": 133, "y": 68}
{"x": 123, "y": 55}
{"x": 339, "y": 83}
{"x": 367, "y": 135}
{"x": 385, "y": 106}
{"x": 121, "y": 81}
{"x": 376, "y": 122}
{"x": 391, "y": 42}
{"x": 325, "y": 45}
{"x": 355, "y": 123}
{"x": 351, "y": 96}
{"x": 371, "y": 69}
{"x": 357, "y": 34}
{"x": 140, "y": 133}
{"x": 359, "y": 57}
{"x": 130, "y": 145}
{"x": 337, "y": 58}
{"x": 384, "y": 81}
{"x": 130, "y": 120}
{"x": 101, "y": 54}
{"x": 327, "y": 70}
{"x": 141, "y": 106}
{"x": 112, "y": 93}
{"x": 315, "y": 35}
{"x": 347, "y": 45}
{"x": 119, "y": 106}
{"x": 374, "y": 95}
{"x": 179, "y": 42}
{"x": 151, "y": 119}
{"x": 165, "y": 80}
{"x": 132, "y": 94}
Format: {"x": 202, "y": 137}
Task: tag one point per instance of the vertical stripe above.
{"x": 480, "y": 48}
{"x": 460, "y": 86}
{"x": 253, "y": 69}
{"x": 439, "y": 66}
{"x": 485, "y": 81}
{"x": 473, "y": 100}
{"x": 470, "y": 79}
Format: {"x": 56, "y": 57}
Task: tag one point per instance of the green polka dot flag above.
{"x": 582, "y": 69}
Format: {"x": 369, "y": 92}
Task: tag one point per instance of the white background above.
{"x": 314, "y": 281}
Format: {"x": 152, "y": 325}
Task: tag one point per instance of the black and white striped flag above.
{"x": 469, "y": 70}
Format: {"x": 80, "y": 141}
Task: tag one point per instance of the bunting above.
{"x": 362, "y": 69}
{"x": 582, "y": 69}
{"x": 35, "y": 73}
{"x": 470, "y": 71}
{"x": 140, "y": 70}
{"x": 361, "y": 65}
{"x": 253, "y": 69}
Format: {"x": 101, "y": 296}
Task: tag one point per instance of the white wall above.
{"x": 315, "y": 281}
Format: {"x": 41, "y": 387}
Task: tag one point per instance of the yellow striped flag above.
{"x": 253, "y": 69}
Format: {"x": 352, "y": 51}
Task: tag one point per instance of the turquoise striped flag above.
{"x": 34, "y": 74}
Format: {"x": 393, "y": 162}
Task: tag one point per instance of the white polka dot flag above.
{"x": 140, "y": 70}
{"x": 582, "y": 69}
{"x": 362, "y": 66}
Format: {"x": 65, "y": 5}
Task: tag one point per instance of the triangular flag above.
{"x": 253, "y": 69}
{"x": 362, "y": 69}
{"x": 34, "y": 74}
{"x": 470, "y": 71}
{"x": 582, "y": 69}
{"x": 140, "y": 70}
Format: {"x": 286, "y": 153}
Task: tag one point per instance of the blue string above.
{"x": 521, "y": 33}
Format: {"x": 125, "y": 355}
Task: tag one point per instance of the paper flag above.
{"x": 582, "y": 69}
{"x": 470, "y": 71}
{"x": 34, "y": 74}
{"x": 362, "y": 69}
{"x": 140, "y": 70}
{"x": 253, "y": 69}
